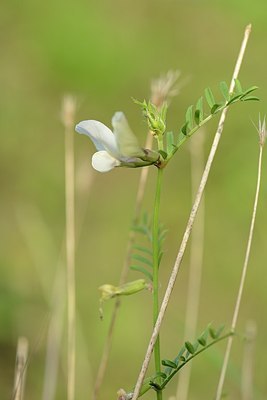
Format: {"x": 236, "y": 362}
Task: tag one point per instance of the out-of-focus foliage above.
{"x": 105, "y": 53}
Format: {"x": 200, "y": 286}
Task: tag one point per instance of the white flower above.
{"x": 118, "y": 148}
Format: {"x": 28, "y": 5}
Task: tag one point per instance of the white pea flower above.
{"x": 117, "y": 148}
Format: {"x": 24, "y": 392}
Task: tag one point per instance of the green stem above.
{"x": 156, "y": 251}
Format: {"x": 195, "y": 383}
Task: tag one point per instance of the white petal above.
{"x": 127, "y": 142}
{"x": 100, "y": 134}
{"x": 102, "y": 161}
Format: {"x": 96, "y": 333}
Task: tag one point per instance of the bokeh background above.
{"x": 104, "y": 53}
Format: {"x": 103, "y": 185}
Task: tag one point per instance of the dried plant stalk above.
{"x": 68, "y": 120}
{"x": 262, "y": 135}
{"x": 189, "y": 224}
{"x": 20, "y": 368}
{"x": 248, "y": 358}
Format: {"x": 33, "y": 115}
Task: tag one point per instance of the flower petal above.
{"x": 126, "y": 141}
{"x": 100, "y": 134}
{"x": 102, "y": 161}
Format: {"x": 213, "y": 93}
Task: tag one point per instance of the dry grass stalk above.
{"x": 192, "y": 216}
{"x": 248, "y": 358}
{"x": 262, "y": 136}
{"x": 20, "y": 368}
{"x": 162, "y": 90}
{"x": 195, "y": 263}
{"x": 54, "y": 336}
{"x": 68, "y": 111}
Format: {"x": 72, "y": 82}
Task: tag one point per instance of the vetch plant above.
{"x": 116, "y": 149}
{"x": 120, "y": 148}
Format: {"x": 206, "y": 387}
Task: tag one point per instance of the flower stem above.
{"x": 156, "y": 254}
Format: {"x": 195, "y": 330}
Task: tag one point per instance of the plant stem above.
{"x": 242, "y": 280}
{"x": 68, "y": 111}
{"x": 156, "y": 253}
{"x": 20, "y": 368}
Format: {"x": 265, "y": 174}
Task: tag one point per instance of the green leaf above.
{"x": 212, "y": 332}
{"x": 196, "y": 345}
{"x": 249, "y": 98}
{"x": 142, "y": 259}
{"x": 199, "y": 113}
{"x": 238, "y": 87}
{"x": 189, "y": 347}
{"x": 139, "y": 229}
{"x": 169, "y": 363}
{"x": 189, "y": 117}
{"x": 219, "y": 331}
{"x": 163, "y": 154}
{"x": 143, "y": 249}
{"x": 170, "y": 142}
{"x": 160, "y": 257}
{"x": 145, "y": 219}
{"x": 215, "y": 108}
{"x": 209, "y": 97}
{"x": 162, "y": 235}
{"x": 197, "y": 117}
{"x": 234, "y": 98}
{"x": 202, "y": 340}
{"x": 162, "y": 375}
{"x": 143, "y": 270}
{"x": 225, "y": 90}
{"x": 250, "y": 90}
{"x": 184, "y": 129}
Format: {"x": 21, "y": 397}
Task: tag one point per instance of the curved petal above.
{"x": 100, "y": 134}
{"x": 127, "y": 142}
{"x": 102, "y": 161}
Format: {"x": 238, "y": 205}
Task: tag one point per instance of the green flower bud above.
{"x": 109, "y": 291}
{"x": 156, "y": 118}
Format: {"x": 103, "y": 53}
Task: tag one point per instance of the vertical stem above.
{"x": 156, "y": 253}
{"x": 248, "y": 358}
{"x": 70, "y": 241}
{"x": 242, "y": 281}
{"x": 20, "y": 369}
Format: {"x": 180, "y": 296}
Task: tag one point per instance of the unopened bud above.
{"x": 110, "y": 291}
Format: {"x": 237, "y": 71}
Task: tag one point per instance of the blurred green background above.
{"x": 104, "y": 53}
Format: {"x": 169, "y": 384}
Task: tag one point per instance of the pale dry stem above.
{"x": 242, "y": 281}
{"x": 192, "y": 216}
{"x": 68, "y": 120}
{"x": 20, "y": 368}
{"x": 248, "y": 358}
